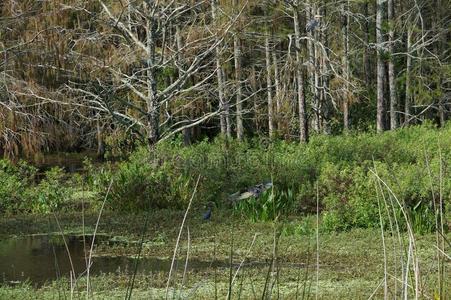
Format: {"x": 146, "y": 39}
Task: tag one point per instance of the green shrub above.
{"x": 348, "y": 197}
{"x": 50, "y": 193}
{"x": 14, "y": 183}
{"x": 19, "y": 192}
{"x": 341, "y": 166}
{"x": 140, "y": 183}
{"x": 11, "y": 193}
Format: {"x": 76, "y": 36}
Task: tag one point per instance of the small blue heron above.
{"x": 207, "y": 214}
{"x": 312, "y": 24}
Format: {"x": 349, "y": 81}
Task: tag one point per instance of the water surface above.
{"x": 42, "y": 258}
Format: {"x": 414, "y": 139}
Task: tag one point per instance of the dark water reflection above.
{"x": 44, "y": 258}
{"x": 70, "y": 162}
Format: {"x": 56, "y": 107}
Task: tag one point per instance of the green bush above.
{"x": 50, "y": 193}
{"x": 341, "y": 166}
{"x": 14, "y": 183}
{"x": 223, "y": 166}
{"x": 11, "y": 192}
{"x": 20, "y": 192}
{"x": 348, "y": 197}
{"x": 140, "y": 183}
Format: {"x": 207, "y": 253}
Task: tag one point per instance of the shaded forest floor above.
{"x": 351, "y": 264}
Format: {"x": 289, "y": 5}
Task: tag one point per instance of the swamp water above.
{"x": 43, "y": 258}
{"x": 69, "y": 162}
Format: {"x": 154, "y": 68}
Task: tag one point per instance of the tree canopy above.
{"x": 80, "y": 74}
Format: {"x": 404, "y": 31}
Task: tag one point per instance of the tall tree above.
{"x": 159, "y": 57}
{"x": 277, "y": 85}
{"x": 368, "y": 71}
{"x": 326, "y": 100}
{"x": 239, "y": 97}
{"x": 391, "y": 67}
{"x": 346, "y": 69}
{"x": 254, "y": 88}
{"x": 269, "y": 87}
{"x": 223, "y": 107}
{"x": 312, "y": 45}
{"x": 179, "y": 44}
{"x": 408, "y": 97}
{"x": 439, "y": 46}
{"x": 160, "y": 68}
{"x": 380, "y": 66}
{"x": 303, "y": 129}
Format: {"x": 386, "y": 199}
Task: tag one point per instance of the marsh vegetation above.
{"x": 350, "y": 217}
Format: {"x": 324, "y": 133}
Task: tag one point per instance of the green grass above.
{"x": 351, "y": 262}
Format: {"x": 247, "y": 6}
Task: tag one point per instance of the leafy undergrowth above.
{"x": 341, "y": 172}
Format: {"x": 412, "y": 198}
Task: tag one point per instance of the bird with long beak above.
{"x": 313, "y": 23}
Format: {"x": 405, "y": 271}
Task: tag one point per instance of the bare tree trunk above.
{"x": 153, "y": 112}
{"x": 278, "y": 87}
{"x": 303, "y": 129}
{"x": 100, "y": 143}
{"x": 222, "y": 107}
{"x": 269, "y": 87}
{"x": 227, "y": 105}
{"x": 442, "y": 113}
{"x": 129, "y": 15}
{"x": 311, "y": 55}
{"x": 391, "y": 69}
{"x": 366, "y": 56}
{"x": 253, "y": 83}
{"x": 239, "y": 104}
{"x": 408, "y": 99}
{"x": 314, "y": 75}
{"x": 316, "y": 101}
{"x": 186, "y": 132}
{"x": 345, "y": 34}
{"x": 380, "y": 67}
{"x": 326, "y": 103}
